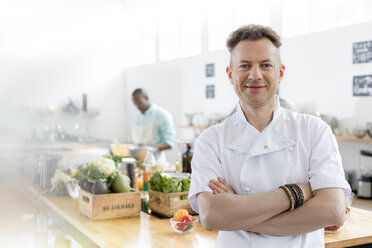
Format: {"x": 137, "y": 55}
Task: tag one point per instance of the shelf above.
{"x": 365, "y": 139}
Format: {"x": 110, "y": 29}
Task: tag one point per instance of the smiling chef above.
{"x": 266, "y": 176}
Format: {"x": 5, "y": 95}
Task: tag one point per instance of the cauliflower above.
{"x": 60, "y": 176}
{"x": 105, "y": 165}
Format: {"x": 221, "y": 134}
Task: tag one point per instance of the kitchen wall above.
{"x": 319, "y": 74}
{"x": 52, "y": 50}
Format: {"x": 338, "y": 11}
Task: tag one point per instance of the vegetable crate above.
{"x": 166, "y": 204}
{"x": 109, "y": 206}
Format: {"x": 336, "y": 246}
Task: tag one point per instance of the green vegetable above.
{"x": 172, "y": 185}
{"x": 116, "y": 159}
{"x": 59, "y": 189}
{"x": 121, "y": 184}
{"x": 185, "y": 184}
{"x": 185, "y": 187}
{"x": 157, "y": 181}
{"x": 91, "y": 173}
{"x": 169, "y": 185}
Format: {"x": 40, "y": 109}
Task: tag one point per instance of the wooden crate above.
{"x": 109, "y": 206}
{"x": 166, "y": 204}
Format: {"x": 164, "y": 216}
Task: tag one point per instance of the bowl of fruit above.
{"x": 182, "y": 222}
{"x": 336, "y": 229}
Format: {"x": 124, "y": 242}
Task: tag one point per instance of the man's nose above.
{"x": 255, "y": 74}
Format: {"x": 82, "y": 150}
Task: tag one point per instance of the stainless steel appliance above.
{"x": 365, "y": 181}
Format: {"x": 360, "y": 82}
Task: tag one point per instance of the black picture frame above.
{"x": 362, "y": 85}
{"x": 362, "y": 52}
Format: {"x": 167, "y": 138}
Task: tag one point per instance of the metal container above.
{"x": 365, "y": 187}
{"x": 48, "y": 163}
{"x": 365, "y": 181}
{"x": 139, "y": 152}
{"x": 369, "y": 128}
{"x": 127, "y": 167}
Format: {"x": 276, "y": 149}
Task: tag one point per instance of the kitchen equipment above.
{"x": 369, "y": 128}
{"x": 139, "y": 152}
{"x": 351, "y": 178}
{"x": 330, "y": 120}
{"x": 365, "y": 181}
{"x": 359, "y": 131}
{"x": 128, "y": 166}
{"x": 48, "y": 163}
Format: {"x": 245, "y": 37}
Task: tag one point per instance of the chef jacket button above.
{"x": 265, "y": 147}
{"x": 287, "y": 120}
{"x": 291, "y": 148}
{"x": 247, "y": 189}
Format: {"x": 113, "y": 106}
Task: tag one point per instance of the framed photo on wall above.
{"x": 209, "y": 91}
{"x": 209, "y": 70}
{"x": 362, "y": 52}
{"x": 362, "y": 85}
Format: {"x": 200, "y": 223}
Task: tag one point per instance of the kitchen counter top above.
{"x": 143, "y": 231}
{"x": 151, "y": 231}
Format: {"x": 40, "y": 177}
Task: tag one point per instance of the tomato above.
{"x": 187, "y": 218}
{"x": 347, "y": 210}
{"x": 332, "y": 228}
{"x": 180, "y": 226}
{"x": 179, "y": 214}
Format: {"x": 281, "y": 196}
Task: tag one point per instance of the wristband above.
{"x": 290, "y": 197}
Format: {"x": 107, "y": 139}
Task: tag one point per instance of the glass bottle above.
{"x": 149, "y": 163}
{"x": 186, "y": 159}
{"x": 145, "y": 199}
{"x": 179, "y": 163}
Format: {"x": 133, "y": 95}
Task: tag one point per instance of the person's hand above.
{"x": 306, "y": 189}
{"x": 220, "y": 186}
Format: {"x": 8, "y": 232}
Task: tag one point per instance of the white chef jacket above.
{"x": 293, "y": 148}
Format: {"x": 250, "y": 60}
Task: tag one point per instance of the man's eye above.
{"x": 244, "y": 66}
{"x": 266, "y": 65}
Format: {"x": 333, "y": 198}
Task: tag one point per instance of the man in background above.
{"x": 152, "y": 125}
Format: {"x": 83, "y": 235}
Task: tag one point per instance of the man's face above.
{"x": 255, "y": 71}
{"x": 141, "y": 102}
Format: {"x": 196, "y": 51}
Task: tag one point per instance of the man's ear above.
{"x": 229, "y": 73}
{"x": 281, "y": 72}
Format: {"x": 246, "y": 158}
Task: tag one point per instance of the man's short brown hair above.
{"x": 252, "y": 32}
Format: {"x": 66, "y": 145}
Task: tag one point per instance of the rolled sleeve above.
{"x": 205, "y": 166}
{"x": 326, "y": 170}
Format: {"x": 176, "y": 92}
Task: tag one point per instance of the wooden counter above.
{"x": 150, "y": 231}
{"x": 357, "y": 230}
{"x": 143, "y": 231}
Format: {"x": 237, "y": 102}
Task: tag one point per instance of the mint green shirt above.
{"x": 163, "y": 127}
